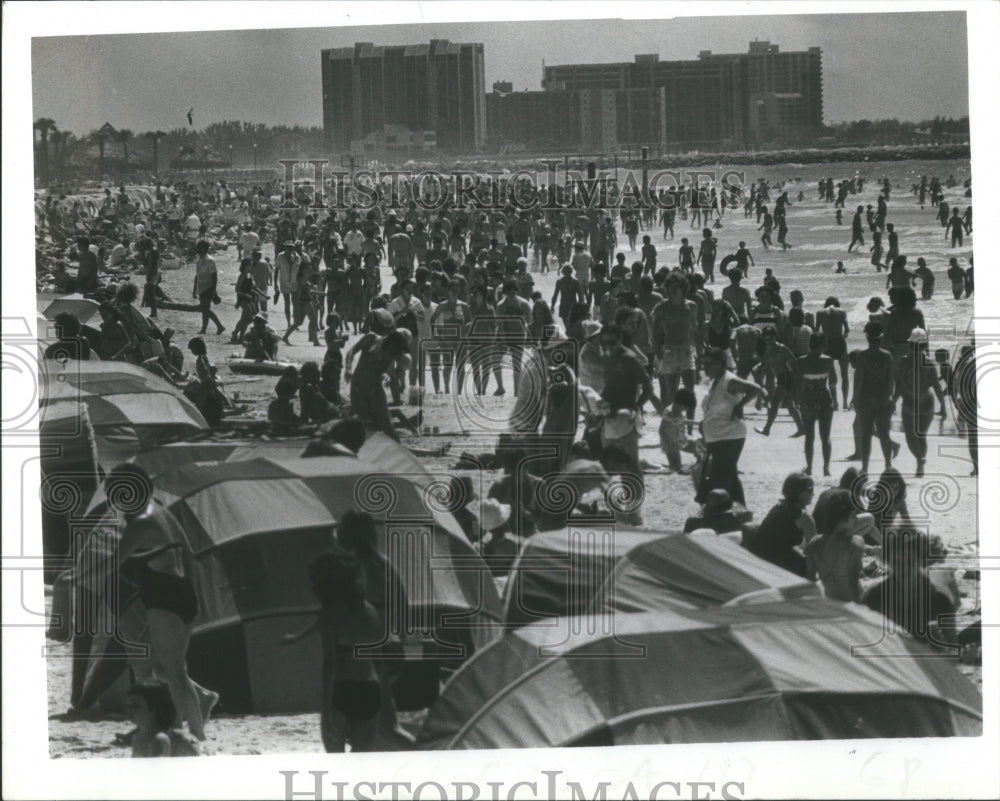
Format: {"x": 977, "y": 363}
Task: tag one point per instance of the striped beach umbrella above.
{"x": 130, "y": 408}
{"x": 80, "y": 307}
{"x": 801, "y": 670}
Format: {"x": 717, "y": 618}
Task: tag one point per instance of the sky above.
{"x": 911, "y": 66}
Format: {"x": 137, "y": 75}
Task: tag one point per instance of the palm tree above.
{"x": 123, "y": 136}
{"x": 44, "y": 125}
{"x": 155, "y": 137}
{"x": 60, "y": 140}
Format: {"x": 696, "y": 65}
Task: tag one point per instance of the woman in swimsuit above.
{"x": 150, "y": 555}
{"x": 818, "y": 389}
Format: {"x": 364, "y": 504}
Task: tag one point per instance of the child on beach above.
{"x": 674, "y": 429}
{"x": 281, "y": 410}
{"x": 152, "y": 710}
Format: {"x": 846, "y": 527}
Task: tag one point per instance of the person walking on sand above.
{"x": 206, "y": 281}
{"x": 151, "y": 557}
{"x": 872, "y": 399}
{"x": 781, "y": 369}
{"x": 918, "y": 386}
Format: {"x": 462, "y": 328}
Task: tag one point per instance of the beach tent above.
{"x": 685, "y": 571}
{"x": 781, "y": 671}
{"x": 558, "y": 572}
{"x": 130, "y": 408}
{"x": 254, "y": 526}
{"x": 69, "y": 477}
{"x": 389, "y": 455}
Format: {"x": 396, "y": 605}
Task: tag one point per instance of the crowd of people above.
{"x": 616, "y": 340}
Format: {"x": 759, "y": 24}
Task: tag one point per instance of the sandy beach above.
{"x": 946, "y": 497}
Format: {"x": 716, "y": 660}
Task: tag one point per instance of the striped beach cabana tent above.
{"x": 252, "y": 529}
{"x": 692, "y": 571}
{"x": 792, "y": 670}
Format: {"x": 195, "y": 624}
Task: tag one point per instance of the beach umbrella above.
{"x": 252, "y": 529}
{"x": 557, "y": 572}
{"x": 80, "y": 307}
{"x": 782, "y": 671}
{"x": 691, "y": 571}
{"x": 129, "y": 407}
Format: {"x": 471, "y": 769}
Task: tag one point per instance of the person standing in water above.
{"x": 766, "y": 226}
{"x": 707, "y": 253}
{"x": 857, "y": 229}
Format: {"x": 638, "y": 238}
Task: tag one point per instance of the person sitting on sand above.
{"x": 719, "y": 513}
{"x": 315, "y": 407}
{"x": 281, "y": 409}
{"x": 70, "y": 345}
{"x": 152, "y": 710}
{"x": 834, "y": 555}
{"x": 204, "y": 391}
{"x": 910, "y": 596}
{"x": 261, "y": 341}
{"x": 787, "y": 527}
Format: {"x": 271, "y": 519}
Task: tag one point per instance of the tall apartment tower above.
{"x": 727, "y": 99}
{"x": 437, "y": 87}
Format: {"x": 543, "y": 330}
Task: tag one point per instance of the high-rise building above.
{"x": 436, "y": 90}
{"x": 727, "y": 99}
{"x": 591, "y": 119}
{"x": 782, "y": 93}
{"x": 536, "y": 120}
